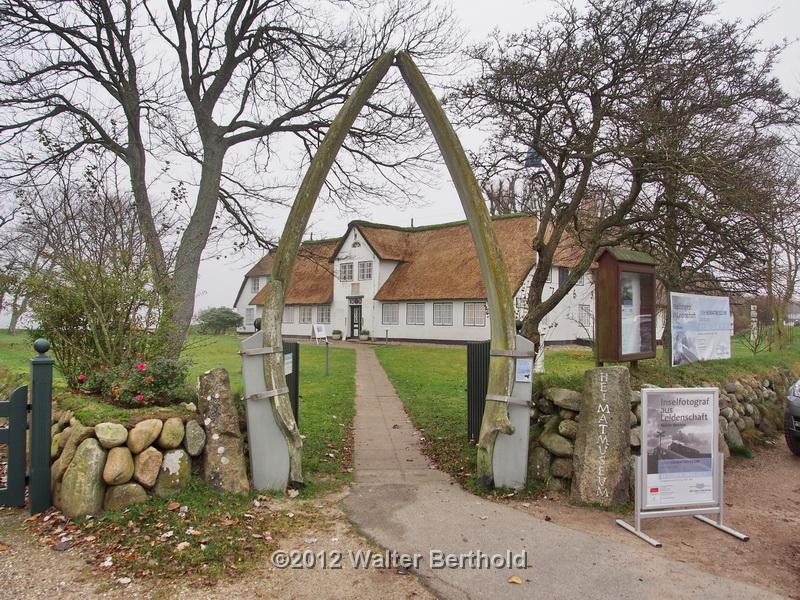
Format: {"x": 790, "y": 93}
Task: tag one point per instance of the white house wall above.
{"x": 243, "y": 303}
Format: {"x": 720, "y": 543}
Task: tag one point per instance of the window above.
{"x": 324, "y": 313}
{"x": 346, "y": 271}
{"x": 581, "y": 280}
{"x": 563, "y": 273}
{"x": 550, "y": 275}
{"x": 584, "y": 315}
{"x": 365, "y": 270}
{"x": 415, "y": 313}
{"x": 521, "y": 302}
{"x": 442, "y": 313}
{"x": 288, "y": 314}
{"x": 255, "y": 284}
{"x": 306, "y": 314}
{"x": 475, "y": 314}
{"x": 391, "y": 314}
{"x": 249, "y": 316}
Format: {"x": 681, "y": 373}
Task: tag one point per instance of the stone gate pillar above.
{"x": 602, "y": 447}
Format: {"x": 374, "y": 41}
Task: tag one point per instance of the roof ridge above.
{"x": 363, "y": 223}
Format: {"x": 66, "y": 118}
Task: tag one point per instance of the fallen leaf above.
{"x": 182, "y": 546}
{"x": 293, "y": 493}
{"x": 4, "y": 547}
{"x": 124, "y": 580}
{"x": 173, "y": 506}
{"x": 515, "y": 579}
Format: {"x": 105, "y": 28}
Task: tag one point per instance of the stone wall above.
{"x": 749, "y": 407}
{"x": 111, "y": 465}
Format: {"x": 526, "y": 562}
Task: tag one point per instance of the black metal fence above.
{"x": 293, "y": 379}
{"x": 477, "y": 384}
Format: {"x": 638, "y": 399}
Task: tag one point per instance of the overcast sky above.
{"x": 220, "y": 279}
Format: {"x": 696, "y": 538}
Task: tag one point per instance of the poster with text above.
{"x": 701, "y": 327}
{"x": 679, "y": 446}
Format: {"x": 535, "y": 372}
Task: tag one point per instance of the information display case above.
{"x": 625, "y": 306}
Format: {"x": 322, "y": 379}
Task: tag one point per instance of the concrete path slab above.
{"x": 408, "y": 507}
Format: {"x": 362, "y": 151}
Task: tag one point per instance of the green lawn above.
{"x": 431, "y": 382}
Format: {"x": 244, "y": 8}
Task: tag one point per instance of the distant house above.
{"x": 793, "y": 313}
{"x": 421, "y": 283}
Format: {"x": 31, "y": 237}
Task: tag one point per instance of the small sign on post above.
{"x": 680, "y": 470}
{"x": 318, "y": 329}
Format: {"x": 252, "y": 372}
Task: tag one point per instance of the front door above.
{"x": 355, "y": 320}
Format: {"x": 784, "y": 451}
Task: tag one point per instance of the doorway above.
{"x": 355, "y": 320}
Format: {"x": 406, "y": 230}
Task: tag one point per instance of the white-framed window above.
{"x": 475, "y": 314}
{"x": 550, "y": 275}
{"x": 249, "y": 316}
{"x": 288, "y": 314}
{"x": 581, "y": 280}
{"x": 346, "y": 271}
{"x": 563, "y": 273}
{"x": 390, "y": 314}
{"x": 255, "y": 284}
{"x": 306, "y": 314}
{"x": 364, "y": 270}
{"x": 324, "y": 313}
{"x": 521, "y": 302}
{"x": 415, "y": 313}
{"x": 584, "y": 315}
{"x": 442, "y": 313}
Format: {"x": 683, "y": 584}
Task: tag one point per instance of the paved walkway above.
{"x": 406, "y": 506}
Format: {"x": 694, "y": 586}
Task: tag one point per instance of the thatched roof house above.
{"x": 377, "y": 267}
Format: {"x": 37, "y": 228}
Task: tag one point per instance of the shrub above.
{"x": 218, "y": 320}
{"x": 158, "y": 382}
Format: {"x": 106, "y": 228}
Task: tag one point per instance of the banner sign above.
{"x": 701, "y": 327}
{"x": 679, "y": 449}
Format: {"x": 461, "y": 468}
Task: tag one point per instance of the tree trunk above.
{"x": 495, "y": 276}
{"x": 177, "y": 317}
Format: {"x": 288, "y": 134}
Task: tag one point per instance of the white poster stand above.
{"x": 318, "y": 329}
{"x": 680, "y": 472}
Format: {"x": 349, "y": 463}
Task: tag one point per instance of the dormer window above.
{"x": 255, "y": 284}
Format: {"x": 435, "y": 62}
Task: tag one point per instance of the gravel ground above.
{"x": 29, "y": 569}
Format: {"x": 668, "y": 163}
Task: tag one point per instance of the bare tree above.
{"x": 207, "y": 80}
{"x": 601, "y": 99}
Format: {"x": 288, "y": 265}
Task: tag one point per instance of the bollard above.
{"x": 41, "y": 408}
{"x": 327, "y": 356}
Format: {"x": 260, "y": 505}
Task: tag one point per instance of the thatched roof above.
{"x": 436, "y": 262}
{"x": 312, "y": 278}
{"x": 441, "y": 263}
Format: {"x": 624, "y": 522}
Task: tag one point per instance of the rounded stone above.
{"x": 174, "y": 474}
{"x": 119, "y": 466}
{"x": 82, "y": 489}
{"x": 562, "y": 467}
{"x": 564, "y": 398}
{"x": 146, "y": 466}
{"x": 556, "y": 444}
{"x": 194, "y": 439}
{"x": 539, "y": 463}
{"x": 111, "y": 435}
{"x": 568, "y": 428}
{"x": 143, "y": 434}
{"x": 122, "y": 496}
{"x": 171, "y": 433}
